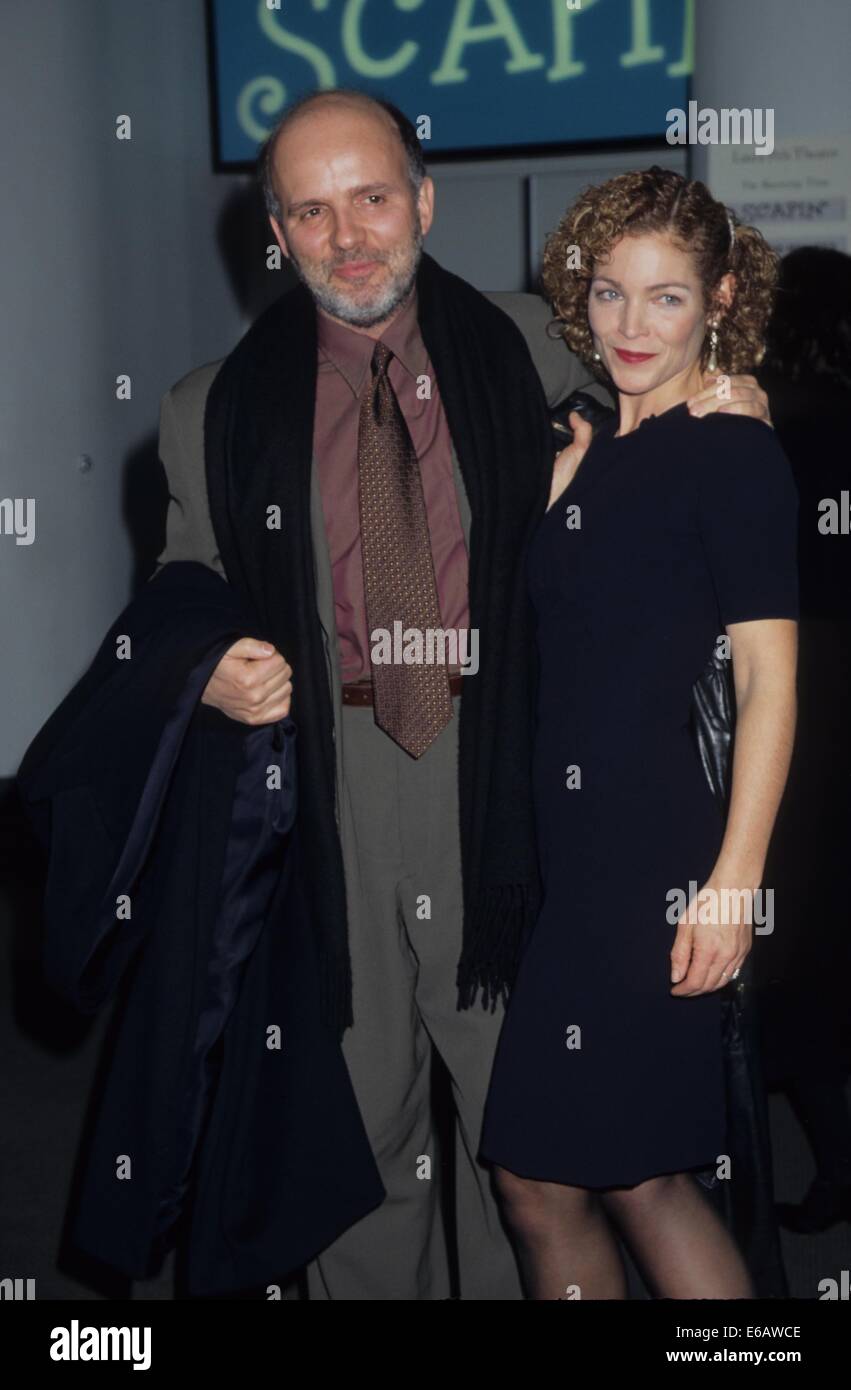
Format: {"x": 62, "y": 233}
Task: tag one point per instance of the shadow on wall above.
{"x": 243, "y": 237}
{"x": 804, "y": 964}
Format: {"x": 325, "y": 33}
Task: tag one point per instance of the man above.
{"x": 408, "y": 407}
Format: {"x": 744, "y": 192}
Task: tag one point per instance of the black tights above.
{"x": 567, "y": 1247}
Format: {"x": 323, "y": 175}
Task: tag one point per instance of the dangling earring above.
{"x": 712, "y": 364}
{"x": 597, "y": 357}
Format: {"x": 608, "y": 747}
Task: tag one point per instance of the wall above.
{"x": 781, "y": 54}
{"x": 133, "y": 257}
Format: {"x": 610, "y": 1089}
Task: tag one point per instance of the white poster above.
{"x": 799, "y": 195}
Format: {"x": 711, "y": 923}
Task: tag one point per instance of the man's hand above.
{"x": 745, "y": 396}
{"x": 567, "y": 462}
{"x": 252, "y": 683}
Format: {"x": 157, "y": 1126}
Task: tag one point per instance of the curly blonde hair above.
{"x": 659, "y": 200}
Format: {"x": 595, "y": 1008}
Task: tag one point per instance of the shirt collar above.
{"x": 351, "y": 353}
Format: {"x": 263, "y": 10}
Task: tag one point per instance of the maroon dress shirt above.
{"x": 343, "y": 374}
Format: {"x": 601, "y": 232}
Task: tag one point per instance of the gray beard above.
{"x": 335, "y": 303}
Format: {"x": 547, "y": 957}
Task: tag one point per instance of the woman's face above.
{"x": 646, "y": 312}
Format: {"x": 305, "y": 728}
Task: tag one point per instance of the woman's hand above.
{"x": 569, "y": 459}
{"x": 764, "y": 665}
{"x": 709, "y": 948}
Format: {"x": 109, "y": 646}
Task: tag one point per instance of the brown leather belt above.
{"x": 360, "y": 692}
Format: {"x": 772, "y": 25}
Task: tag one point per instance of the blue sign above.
{"x": 474, "y": 75}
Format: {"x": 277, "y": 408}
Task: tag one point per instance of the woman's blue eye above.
{"x": 672, "y": 298}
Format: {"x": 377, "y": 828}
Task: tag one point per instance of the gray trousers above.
{"x": 401, "y": 848}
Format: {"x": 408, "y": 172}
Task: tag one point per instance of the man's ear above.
{"x": 279, "y": 236}
{"x": 425, "y": 203}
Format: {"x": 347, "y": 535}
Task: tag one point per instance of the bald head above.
{"x": 351, "y": 204}
{"x": 396, "y": 125}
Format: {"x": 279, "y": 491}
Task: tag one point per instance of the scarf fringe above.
{"x": 500, "y": 920}
{"x": 503, "y": 916}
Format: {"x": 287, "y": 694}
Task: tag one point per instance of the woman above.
{"x": 607, "y": 1089}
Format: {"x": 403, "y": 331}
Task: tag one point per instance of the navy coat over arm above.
{"x": 173, "y": 876}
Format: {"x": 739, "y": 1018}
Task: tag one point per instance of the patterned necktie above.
{"x": 412, "y": 702}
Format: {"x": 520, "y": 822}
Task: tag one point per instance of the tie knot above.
{"x": 380, "y": 358}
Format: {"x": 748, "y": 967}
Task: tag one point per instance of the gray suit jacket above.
{"x": 189, "y": 532}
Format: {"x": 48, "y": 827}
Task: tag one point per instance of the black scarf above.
{"x": 258, "y": 446}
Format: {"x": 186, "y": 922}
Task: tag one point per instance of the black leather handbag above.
{"x": 746, "y": 1201}
{"x": 586, "y": 406}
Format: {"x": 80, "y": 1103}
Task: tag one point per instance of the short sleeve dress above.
{"x": 666, "y": 535}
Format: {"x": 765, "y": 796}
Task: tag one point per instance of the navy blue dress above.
{"x": 602, "y": 1078}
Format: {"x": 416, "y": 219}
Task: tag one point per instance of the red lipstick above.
{"x": 634, "y": 356}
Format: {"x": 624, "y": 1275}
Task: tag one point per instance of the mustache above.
{"x": 352, "y": 257}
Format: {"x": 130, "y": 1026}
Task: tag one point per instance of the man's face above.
{"x": 351, "y": 225}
